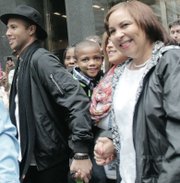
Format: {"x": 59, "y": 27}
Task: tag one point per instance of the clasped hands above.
{"x": 81, "y": 169}
{"x": 104, "y": 151}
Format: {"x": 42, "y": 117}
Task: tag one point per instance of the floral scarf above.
{"x": 102, "y": 97}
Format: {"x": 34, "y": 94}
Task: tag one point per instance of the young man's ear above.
{"x": 32, "y": 29}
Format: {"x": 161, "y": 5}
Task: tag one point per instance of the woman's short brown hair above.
{"x": 145, "y": 19}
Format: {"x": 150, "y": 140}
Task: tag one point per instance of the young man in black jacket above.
{"x": 46, "y": 104}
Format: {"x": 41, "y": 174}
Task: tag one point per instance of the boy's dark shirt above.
{"x": 86, "y": 82}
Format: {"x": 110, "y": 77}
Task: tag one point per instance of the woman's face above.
{"x": 126, "y": 35}
{"x": 114, "y": 56}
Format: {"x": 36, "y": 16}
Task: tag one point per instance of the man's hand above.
{"x": 104, "y": 151}
{"x": 81, "y": 169}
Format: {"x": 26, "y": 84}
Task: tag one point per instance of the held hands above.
{"x": 81, "y": 169}
{"x": 104, "y": 151}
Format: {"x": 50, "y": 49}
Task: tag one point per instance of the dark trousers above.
{"x": 56, "y": 174}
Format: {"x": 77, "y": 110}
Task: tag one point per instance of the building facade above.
{"x": 69, "y": 21}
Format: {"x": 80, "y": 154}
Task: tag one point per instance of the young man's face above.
{"x": 175, "y": 33}
{"x": 18, "y": 34}
{"x": 89, "y": 60}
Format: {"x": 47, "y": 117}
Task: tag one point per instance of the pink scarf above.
{"x": 102, "y": 97}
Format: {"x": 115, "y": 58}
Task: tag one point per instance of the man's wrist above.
{"x": 81, "y": 156}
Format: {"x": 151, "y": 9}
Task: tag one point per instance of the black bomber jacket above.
{"x": 61, "y": 112}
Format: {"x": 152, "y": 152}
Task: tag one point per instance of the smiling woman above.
{"x": 145, "y": 107}
{"x": 128, "y": 37}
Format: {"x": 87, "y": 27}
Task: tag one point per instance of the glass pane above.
{"x": 56, "y": 26}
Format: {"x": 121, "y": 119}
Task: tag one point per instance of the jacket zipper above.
{"x": 58, "y": 87}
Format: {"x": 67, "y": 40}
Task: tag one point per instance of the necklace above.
{"x": 140, "y": 65}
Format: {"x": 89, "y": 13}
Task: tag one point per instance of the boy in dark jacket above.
{"x": 88, "y": 72}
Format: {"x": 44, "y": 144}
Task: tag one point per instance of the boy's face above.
{"x": 89, "y": 60}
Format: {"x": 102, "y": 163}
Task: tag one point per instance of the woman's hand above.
{"x": 104, "y": 151}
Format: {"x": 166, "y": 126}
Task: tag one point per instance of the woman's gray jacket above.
{"x": 156, "y": 122}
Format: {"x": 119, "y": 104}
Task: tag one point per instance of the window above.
{"x": 56, "y": 26}
{"x": 166, "y": 11}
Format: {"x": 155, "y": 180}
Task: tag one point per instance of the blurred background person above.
{"x": 10, "y": 67}
{"x": 174, "y": 29}
{"x": 4, "y": 94}
{"x": 69, "y": 58}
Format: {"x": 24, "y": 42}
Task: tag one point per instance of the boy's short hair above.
{"x": 85, "y": 43}
{"x": 94, "y": 38}
{"x": 174, "y": 23}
